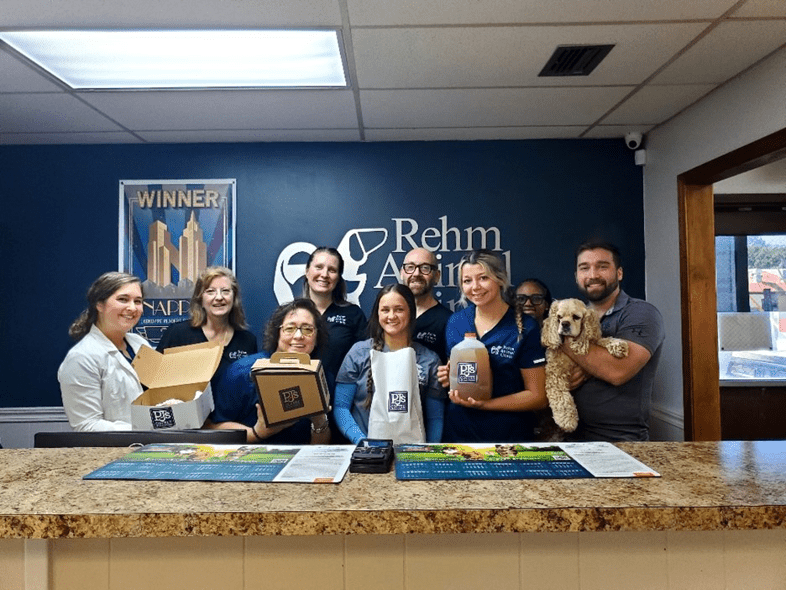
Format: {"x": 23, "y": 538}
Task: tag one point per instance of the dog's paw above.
{"x": 616, "y": 347}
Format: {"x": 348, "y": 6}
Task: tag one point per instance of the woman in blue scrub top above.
{"x": 516, "y": 357}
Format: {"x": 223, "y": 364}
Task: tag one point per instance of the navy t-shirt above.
{"x": 430, "y": 330}
{"x": 242, "y": 344}
{"x": 235, "y": 398}
{"x": 346, "y": 325}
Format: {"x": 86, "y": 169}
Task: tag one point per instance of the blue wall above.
{"x": 60, "y": 224}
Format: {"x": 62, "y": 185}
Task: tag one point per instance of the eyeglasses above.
{"x": 213, "y": 292}
{"x": 305, "y": 329}
{"x": 535, "y": 299}
{"x": 425, "y": 269}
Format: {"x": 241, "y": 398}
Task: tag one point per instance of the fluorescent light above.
{"x": 86, "y": 59}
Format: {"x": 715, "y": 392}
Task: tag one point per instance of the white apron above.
{"x": 395, "y": 411}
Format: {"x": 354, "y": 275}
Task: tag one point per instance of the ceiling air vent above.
{"x": 575, "y": 60}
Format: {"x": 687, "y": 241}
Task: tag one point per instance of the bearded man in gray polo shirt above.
{"x": 613, "y": 395}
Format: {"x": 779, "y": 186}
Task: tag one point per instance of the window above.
{"x": 751, "y": 286}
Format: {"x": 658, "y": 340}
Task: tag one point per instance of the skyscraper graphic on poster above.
{"x": 170, "y": 231}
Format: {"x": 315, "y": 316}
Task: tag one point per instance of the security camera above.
{"x": 633, "y": 140}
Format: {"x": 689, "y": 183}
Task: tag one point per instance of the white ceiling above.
{"x": 418, "y": 69}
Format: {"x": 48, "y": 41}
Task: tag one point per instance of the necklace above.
{"x": 223, "y": 337}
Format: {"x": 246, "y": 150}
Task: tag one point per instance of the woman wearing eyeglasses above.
{"x": 516, "y": 356}
{"x": 296, "y": 326}
{"x": 533, "y": 298}
{"x": 325, "y": 286}
{"x": 216, "y": 316}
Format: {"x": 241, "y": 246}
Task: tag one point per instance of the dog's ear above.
{"x": 550, "y": 337}
{"x": 590, "y": 331}
{"x": 580, "y": 344}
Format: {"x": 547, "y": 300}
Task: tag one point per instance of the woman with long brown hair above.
{"x": 390, "y": 327}
{"x": 325, "y": 286}
{"x": 97, "y": 381}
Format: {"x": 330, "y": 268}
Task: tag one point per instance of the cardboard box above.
{"x": 290, "y": 385}
{"x": 178, "y": 373}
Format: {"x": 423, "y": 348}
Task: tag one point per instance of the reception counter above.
{"x": 717, "y": 516}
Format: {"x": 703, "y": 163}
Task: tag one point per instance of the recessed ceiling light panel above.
{"x": 125, "y": 59}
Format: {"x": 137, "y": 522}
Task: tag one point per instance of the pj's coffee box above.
{"x": 290, "y": 385}
{"x": 177, "y": 374}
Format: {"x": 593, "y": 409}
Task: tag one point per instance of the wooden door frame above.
{"x": 700, "y": 371}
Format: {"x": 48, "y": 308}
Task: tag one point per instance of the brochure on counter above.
{"x": 516, "y": 461}
{"x": 251, "y": 463}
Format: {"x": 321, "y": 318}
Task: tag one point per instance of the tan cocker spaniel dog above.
{"x": 572, "y": 320}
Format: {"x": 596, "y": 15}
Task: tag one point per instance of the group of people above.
{"x": 98, "y": 382}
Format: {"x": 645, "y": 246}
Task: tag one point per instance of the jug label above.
{"x": 467, "y": 372}
{"x": 398, "y": 401}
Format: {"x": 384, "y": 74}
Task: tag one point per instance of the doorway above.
{"x": 701, "y": 382}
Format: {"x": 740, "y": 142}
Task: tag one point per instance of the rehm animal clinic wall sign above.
{"x": 449, "y": 243}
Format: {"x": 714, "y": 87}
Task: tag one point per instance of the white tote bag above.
{"x": 396, "y": 412}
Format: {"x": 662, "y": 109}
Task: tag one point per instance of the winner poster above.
{"x": 170, "y": 231}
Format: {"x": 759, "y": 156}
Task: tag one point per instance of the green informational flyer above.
{"x": 515, "y": 461}
{"x": 261, "y": 463}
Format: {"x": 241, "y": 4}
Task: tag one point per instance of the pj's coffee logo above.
{"x": 467, "y": 372}
{"x": 162, "y": 418}
{"x": 291, "y": 399}
{"x": 398, "y": 401}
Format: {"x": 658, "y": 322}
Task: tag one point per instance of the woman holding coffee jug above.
{"x": 516, "y": 359}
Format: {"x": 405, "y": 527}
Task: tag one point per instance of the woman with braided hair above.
{"x": 516, "y": 357}
{"x": 390, "y": 327}
{"x": 531, "y": 297}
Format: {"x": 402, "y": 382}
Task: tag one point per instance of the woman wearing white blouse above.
{"x": 97, "y": 381}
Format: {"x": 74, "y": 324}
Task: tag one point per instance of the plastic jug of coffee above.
{"x": 470, "y": 371}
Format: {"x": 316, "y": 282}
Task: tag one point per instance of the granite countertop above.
{"x": 704, "y": 486}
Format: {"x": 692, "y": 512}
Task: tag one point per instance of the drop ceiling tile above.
{"x": 487, "y": 107}
{"x": 655, "y": 104}
{"x": 228, "y": 109}
{"x": 762, "y": 8}
{"x": 474, "y": 133}
{"x": 67, "y": 138}
{"x": 396, "y": 12}
{"x": 15, "y": 76}
{"x": 49, "y": 113}
{"x": 730, "y": 48}
{"x": 250, "y": 135}
{"x": 509, "y": 56}
{"x": 169, "y": 13}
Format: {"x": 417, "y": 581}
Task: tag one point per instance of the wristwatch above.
{"x": 322, "y": 427}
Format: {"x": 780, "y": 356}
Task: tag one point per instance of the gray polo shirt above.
{"x": 614, "y": 413}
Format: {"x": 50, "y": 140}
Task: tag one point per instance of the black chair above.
{"x": 127, "y": 438}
